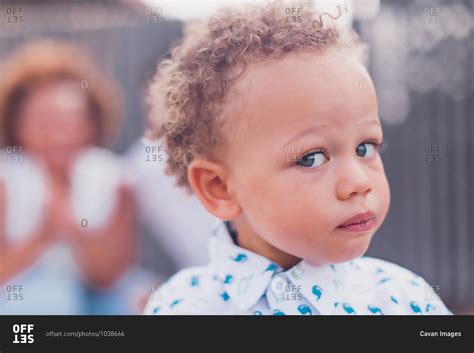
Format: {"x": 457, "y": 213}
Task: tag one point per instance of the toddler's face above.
{"x": 303, "y": 157}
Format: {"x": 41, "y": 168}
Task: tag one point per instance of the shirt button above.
{"x": 278, "y": 285}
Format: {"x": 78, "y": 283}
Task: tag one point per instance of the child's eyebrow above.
{"x": 315, "y": 129}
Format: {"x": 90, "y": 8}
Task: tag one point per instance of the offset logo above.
{"x": 23, "y": 333}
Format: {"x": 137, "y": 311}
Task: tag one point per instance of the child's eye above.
{"x": 366, "y": 149}
{"x": 312, "y": 160}
{"x": 317, "y": 158}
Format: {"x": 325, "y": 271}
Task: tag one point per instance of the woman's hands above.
{"x": 58, "y": 221}
{"x": 108, "y": 251}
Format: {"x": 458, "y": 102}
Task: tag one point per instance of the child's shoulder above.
{"x": 388, "y": 272}
{"x": 386, "y": 268}
{"x": 404, "y": 286}
{"x": 195, "y": 290}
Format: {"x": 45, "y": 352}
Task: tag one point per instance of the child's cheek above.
{"x": 294, "y": 211}
{"x": 386, "y": 197}
{"x": 380, "y": 200}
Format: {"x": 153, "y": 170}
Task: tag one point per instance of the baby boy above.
{"x": 271, "y": 121}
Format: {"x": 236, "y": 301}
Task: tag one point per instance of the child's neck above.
{"x": 250, "y": 240}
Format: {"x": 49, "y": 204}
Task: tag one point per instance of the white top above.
{"x": 239, "y": 281}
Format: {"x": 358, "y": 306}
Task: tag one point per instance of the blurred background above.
{"x": 422, "y": 63}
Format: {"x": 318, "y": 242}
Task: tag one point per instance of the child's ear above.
{"x": 209, "y": 180}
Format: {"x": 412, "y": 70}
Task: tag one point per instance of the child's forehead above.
{"x": 320, "y": 86}
{"x": 329, "y": 61}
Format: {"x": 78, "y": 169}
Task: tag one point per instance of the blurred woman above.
{"x": 66, "y": 213}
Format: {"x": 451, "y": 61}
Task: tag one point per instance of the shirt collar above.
{"x": 246, "y": 275}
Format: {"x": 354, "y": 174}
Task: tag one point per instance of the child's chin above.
{"x": 350, "y": 253}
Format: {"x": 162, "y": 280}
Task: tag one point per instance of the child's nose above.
{"x": 353, "y": 181}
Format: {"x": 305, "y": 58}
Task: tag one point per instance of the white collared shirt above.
{"x": 239, "y": 281}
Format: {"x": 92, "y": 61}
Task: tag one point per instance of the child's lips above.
{"x": 360, "y": 222}
{"x": 363, "y": 226}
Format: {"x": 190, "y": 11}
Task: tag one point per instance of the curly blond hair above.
{"x": 45, "y": 61}
{"x": 187, "y": 94}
